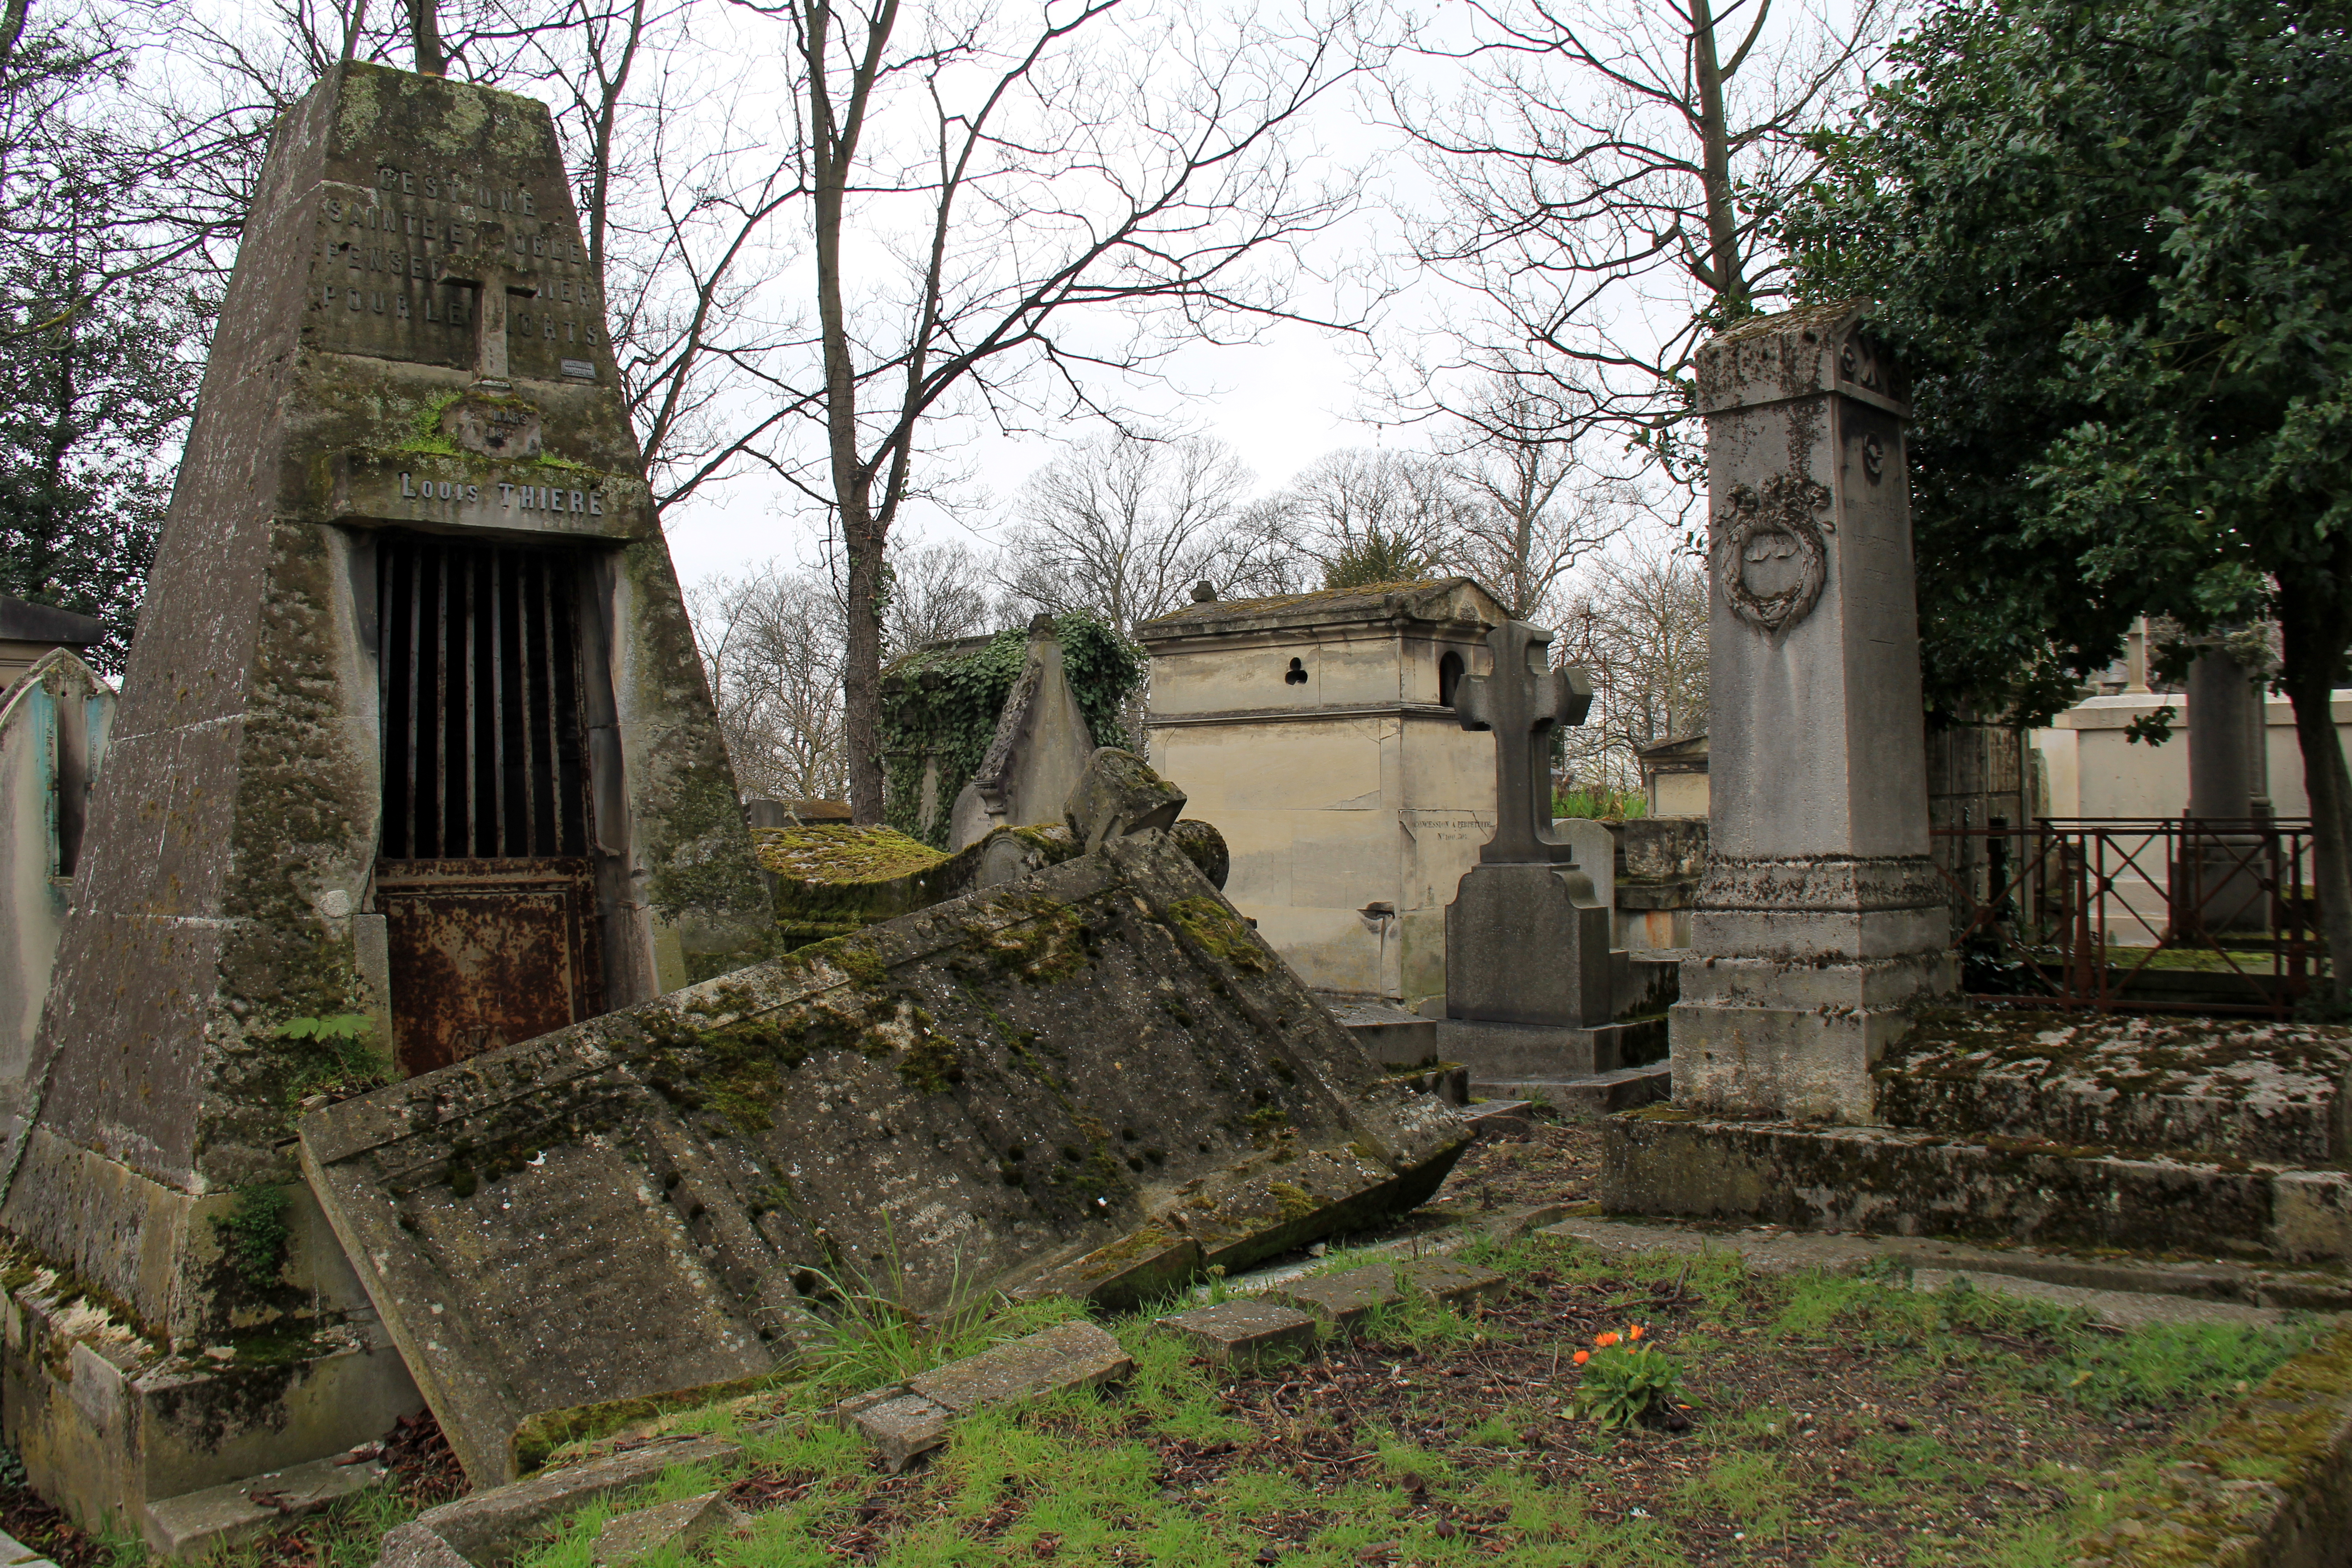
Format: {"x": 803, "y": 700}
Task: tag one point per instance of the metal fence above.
{"x": 2191, "y": 914}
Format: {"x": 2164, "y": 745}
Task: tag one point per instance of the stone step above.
{"x": 1586, "y": 1098}
{"x": 1389, "y": 1036}
{"x": 194, "y": 1524}
{"x": 1664, "y": 1160}
{"x": 2264, "y": 1093}
{"x": 1548, "y": 1053}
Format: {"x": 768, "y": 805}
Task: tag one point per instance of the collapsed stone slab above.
{"x": 1097, "y": 1059}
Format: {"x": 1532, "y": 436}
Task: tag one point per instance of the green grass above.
{"x": 1085, "y": 1478}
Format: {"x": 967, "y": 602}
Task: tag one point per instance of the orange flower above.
{"x": 1583, "y": 1356}
{"x": 1605, "y": 1341}
{"x": 1635, "y": 1332}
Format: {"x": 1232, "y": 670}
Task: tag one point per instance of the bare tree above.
{"x": 934, "y": 594}
{"x": 770, "y": 643}
{"x": 1610, "y": 165}
{"x": 1013, "y": 208}
{"x": 1363, "y": 516}
{"x": 1124, "y": 526}
{"x": 1536, "y": 508}
{"x": 1640, "y": 627}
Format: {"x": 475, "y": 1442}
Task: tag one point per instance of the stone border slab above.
{"x": 194, "y": 1523}
{"x": 2299, "y": 1423}
{"x": 1668, "y": 1160}
{"x": 482, "y": 1530}
{"x": 2121, "y": 1292}
{"x": 1238, "y": 1333}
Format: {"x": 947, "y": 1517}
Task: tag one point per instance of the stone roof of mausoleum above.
{"x": 1438, "y": 601}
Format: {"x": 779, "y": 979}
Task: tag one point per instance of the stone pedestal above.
{"x": 1821, "y": 921}
{"x": 1528, "y": 944}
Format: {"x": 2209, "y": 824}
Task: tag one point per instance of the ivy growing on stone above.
{"x": 952, "y": 718}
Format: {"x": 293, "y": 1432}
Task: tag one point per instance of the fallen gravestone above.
{"x": 1093, "y": 1079}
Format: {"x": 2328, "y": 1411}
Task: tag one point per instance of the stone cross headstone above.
{"x": 412, "y": 731}
{"x": 1522, "y": 702}
{"x": 1821, "y": 921}
{"x": 1529, "y": 988}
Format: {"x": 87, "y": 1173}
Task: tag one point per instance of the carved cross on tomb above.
{"x": 1521, "y": 702}
{"x": 493, "y": 283}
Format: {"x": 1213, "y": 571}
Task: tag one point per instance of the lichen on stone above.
{"x": 1220, "y": 934}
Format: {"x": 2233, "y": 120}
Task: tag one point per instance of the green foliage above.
{"x": 1380, "y": 556}
{"x": 1600, "y": 803}
{"x": 254, "y": 1234}
{"x": 2106, "y": 241}
{"x": 1626, "y": 1380}
{"x": 333, "y": 1055}
{"x": 946, "y": 706}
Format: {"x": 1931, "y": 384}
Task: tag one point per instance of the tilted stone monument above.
{"x": 412, "y": 730}
{"x": 1038, "y": 756}
{"x": 1821, "y": 921}
{"x": 1530, "y": 987}
{"x": 1093, "y": 1079}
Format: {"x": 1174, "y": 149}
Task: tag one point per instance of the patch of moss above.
{"x": 841, "y": 852}
{"x": 931, "y": 1065}
{"x": 1220, "y": 934}
{"x": 254, "y": 1234}
{"x": 1045, "y": 943}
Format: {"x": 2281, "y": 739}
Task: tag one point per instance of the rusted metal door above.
{"x": 484, "y": 882}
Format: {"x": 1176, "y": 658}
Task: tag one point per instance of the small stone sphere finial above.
{"x": 1205, "y": 593}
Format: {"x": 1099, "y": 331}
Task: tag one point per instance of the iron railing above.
{"x": 2175, "y": 913}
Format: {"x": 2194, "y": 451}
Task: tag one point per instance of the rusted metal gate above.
{"x": 485, "y": 879}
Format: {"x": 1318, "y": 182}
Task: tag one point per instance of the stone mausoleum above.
{"x": 1316, "y": 730}
{"x": 412, "y": 731}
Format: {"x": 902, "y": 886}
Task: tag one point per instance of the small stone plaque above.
{"x": 1241, "y": 1331}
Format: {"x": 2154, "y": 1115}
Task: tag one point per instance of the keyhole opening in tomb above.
{"x": 1449, "y": 678}
{"x": 485, "y": 878}
{"x": 1297, "y": 674}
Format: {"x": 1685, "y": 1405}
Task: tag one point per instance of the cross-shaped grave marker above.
{"x": 1521, "y": 702}
{"x": 493, "y": 282}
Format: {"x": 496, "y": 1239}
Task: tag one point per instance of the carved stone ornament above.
{"x": 1768, "y": 558}
{"x": 494, "y": 425}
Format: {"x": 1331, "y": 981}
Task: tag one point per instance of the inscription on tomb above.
{"x": 405, "y": 260}
{"x": 460, "y": 491}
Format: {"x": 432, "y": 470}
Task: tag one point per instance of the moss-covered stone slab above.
{"x": 960, "y": 1098}
{"x": 833, "y": 879}
{"x": 2219, "y": 1089}
{"x": 2269, "y": 1487}
{"x": 1341, "y": 1298}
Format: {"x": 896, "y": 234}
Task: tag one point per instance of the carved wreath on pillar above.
{"x": 1770, "y": 561}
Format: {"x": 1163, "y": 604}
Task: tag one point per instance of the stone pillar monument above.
{"x": 1821, "y": 921}
{"x": 2220, "y": 873}
{"x": 1528, "y": 985}
{"x": 414, "y": 730}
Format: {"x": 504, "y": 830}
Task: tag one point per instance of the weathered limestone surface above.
{"x": 906, "y": 1420}
{"x": 53, "y": 730}
{"x": 2208, "y": 1089}
{"x": 1056, "y": 1078}
{"x": 1822, "y": 921}
{"x": 1316, "y": 731}
{"x": 367, "y": 375}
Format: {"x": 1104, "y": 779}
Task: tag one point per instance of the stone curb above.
{"x": 481, "y": 1530}
{"x": 2299, "y": 1423}
{"x": 2231, "y": 1290}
